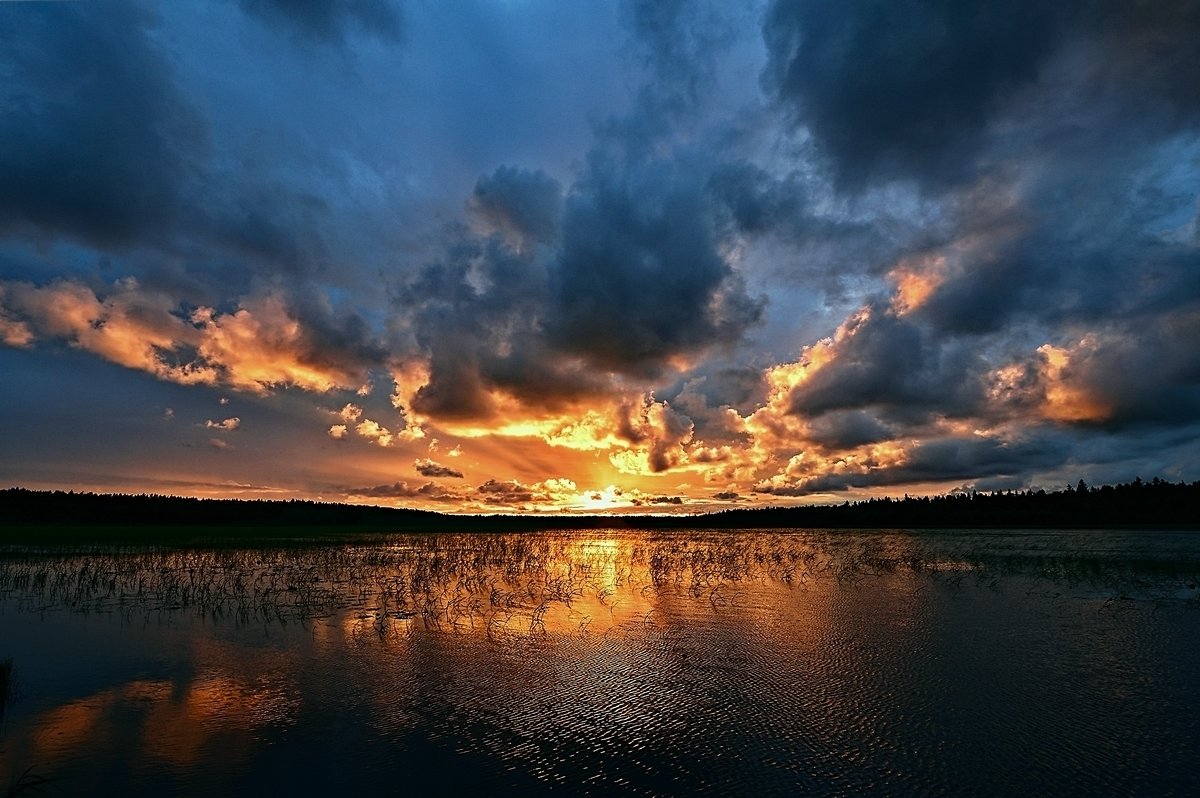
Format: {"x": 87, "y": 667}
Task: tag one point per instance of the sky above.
{"x": 537, "y": 256}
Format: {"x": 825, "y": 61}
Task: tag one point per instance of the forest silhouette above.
{"x": 1136, "y": 504}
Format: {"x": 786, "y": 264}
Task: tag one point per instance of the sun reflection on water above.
{"x": 627, "y": 657}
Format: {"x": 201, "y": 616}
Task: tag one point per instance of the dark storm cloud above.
{"x": 848, "y": 429}
{"x": 101, "y": 144}
{"x": 622, "y": 273}
{"x": 457, "y": 325}
{"x": 707, "y": 394}
{"x": 1170, "y": 452}
{"x": 989, "y": 484}
{"x": 474, "y": 315}
{"x": 904, "y": 88}
{"x": 886, "y": 360}
{"x": 1064, "y": 162}
{"x": 95, "y": 140}
{"x": 913, "y": 88}
{"x": 330, "y": 20}
{"x": 950, "y": 458}
{"x": 678, "y": 40}
{"x": 1042, "y": 456}
{"x": 755, "y": 200}
{"x": 520, "y": 202}
{"x": 659, "y": 428}
{"x": 1150, "y": 50}
{"x": 335, "y": 338}
{"x": 630, "y": 276}
{"x": 428, "y": 468}
{"x": 823, "y": 251}
{"x": 639, "y": 277}
{"x": 1086, "y": 242}
{"x": 268, "y": 225}
{"x": 1144, "y": 375}
{"x": 1127, "y": 327}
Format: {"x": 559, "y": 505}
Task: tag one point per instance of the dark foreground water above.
{"x": 936, "y": 663}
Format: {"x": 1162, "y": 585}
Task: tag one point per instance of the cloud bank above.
{"x": 658, "y": 255}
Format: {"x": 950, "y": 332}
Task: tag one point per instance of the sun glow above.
{"x": 607, "y": 499}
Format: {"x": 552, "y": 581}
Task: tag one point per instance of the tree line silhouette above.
{"x": 1134, "y": 504}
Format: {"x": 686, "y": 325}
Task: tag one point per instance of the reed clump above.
{"x": 512, "y": 584}
{"x": 6, "y": 677}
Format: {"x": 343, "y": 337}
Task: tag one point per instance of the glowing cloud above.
{"x": 372, "y": 431}
{"x": 915, "y": 281}
{"x": 781, "y": 263}
{"x": 257, "y": 348}
{"x": 1064, "y": 399}
{"x": 262, "y": 346}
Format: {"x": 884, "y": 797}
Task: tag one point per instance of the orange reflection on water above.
{"x": 67, "y": 727}
{"x": 605, "y": 587}
{"x": 475, "y": 584}
{"x": 163, "y": 721}
{"x": 178, "y": 729}
{"x": 555, "y": 583}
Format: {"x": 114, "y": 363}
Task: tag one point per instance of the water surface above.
{"x": 836, "y": 663}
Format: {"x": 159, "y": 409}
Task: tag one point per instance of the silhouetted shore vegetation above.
{"x": 149, "y": 518}
{"x": 1136, "y": 504}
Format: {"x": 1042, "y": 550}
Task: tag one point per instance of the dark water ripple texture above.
{"x": 1042, "y": 663}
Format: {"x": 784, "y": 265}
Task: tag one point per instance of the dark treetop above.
{"x": 1135, "y": 504}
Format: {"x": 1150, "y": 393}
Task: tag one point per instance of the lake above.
{"x": 644, "y": 663}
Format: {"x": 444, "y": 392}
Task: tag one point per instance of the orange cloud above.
{"x": 131, "y": 327}
{"x": 916, "y": 279}
{"x": 644, "y": 435}
{"x": 1065, "y": 399}
{"x": 372, "y": 431}
{"x": 774, "y": 428}
{"x": 407, "y": 379}
{"x": 262, "y": 346}
{"x": 811, "y": 465}
{"x": 511, "y": 492}
{"x": 257, "y": 348}
{"x": 1051, "y": 385}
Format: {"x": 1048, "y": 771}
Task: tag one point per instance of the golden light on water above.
{"x": 171, "y": 722}
{"x": 601, "y": 500}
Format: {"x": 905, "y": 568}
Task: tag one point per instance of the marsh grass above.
{"x": 530, "y": 584}
{"x": 6, "y": 684}
{"x": 28, "y": 783}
